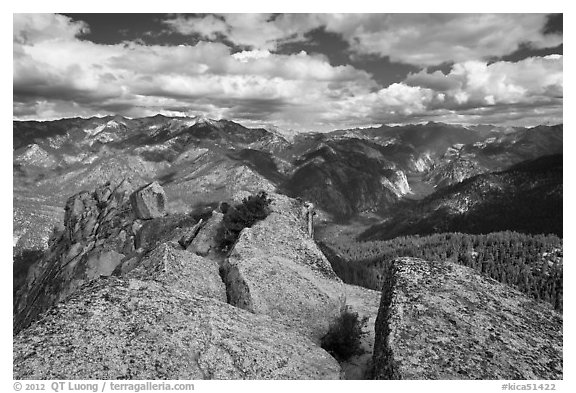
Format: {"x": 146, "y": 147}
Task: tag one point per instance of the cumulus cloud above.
{"x": 527, "y": 92}
{"x": 256, "y": 31}
{"x": 208, "y": 26}
{"x": 67, "y": 74}
{"x": 58, "y": 74}
{"x": 33, "y": 28}
{"x": 418, "y": 39}
{"x": 477, "y": 83}
{"x": 432, "y": 39}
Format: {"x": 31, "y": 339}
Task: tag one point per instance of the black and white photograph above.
{"x": 287, "y": 196}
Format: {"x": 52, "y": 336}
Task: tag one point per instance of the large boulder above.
{"x": 276, "y": 269}
{"x": 149, "y": 201}
{"x": 131, "y": 329}
{"x": 438, "y": 320}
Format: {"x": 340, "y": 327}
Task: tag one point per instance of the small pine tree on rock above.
{"x": 252, "y": 209}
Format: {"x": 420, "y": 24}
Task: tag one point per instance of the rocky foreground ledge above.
{"x": 438, "y": 320}
{"x": 128, "y": 291}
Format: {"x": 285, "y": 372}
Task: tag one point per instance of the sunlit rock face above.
{"x": 439, "y": 320}
{"x": 132, "y": 329}
{"x": 276, "y": 269}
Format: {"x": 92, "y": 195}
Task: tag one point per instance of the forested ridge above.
{"x": 525, "y": 198}
{"x": 530, "y": 263}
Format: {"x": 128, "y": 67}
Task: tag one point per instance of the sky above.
{"x": 302, "y": 72}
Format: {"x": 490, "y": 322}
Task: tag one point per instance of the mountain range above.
{"x": 346, "y": 173}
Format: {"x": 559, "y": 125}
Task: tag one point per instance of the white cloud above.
{"x": 57, "y": 74}
{"x": 208, "y": 26}
{"x": 257, "y": 31}
{"x": 67, "y": 74}
{"x": 33, "y": 28}
{"x": 418, "y": 39}
{"x": 477, "y": 83}
{"x": 247, "y": 55}
{"x": 430, "y": 39}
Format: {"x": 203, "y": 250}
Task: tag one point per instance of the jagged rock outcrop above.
{"x": 166, "y": 316}
{"x": 276, "y": 269}
{"x": 101, "y": 236}
{"x": 438, "y": 320}
{"x": 98, "y": 234}
{"x": 149, "y": 201}
{"x": 131, "y": 329}
{"x": 206, "y": 238}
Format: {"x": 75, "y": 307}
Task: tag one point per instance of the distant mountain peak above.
{"x": 115, "y": 118}
{"x": 205, "y": 120}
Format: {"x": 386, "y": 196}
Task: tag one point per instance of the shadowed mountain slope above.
{"x": 525, "y": 198}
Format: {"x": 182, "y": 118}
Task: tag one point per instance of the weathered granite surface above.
{"x": 445, "y": 321}
{"x": 182, "y": 270}
{"x": 276, "y": 269}
{"x": 166, "y": 316}
{"x": 131, "y": 329}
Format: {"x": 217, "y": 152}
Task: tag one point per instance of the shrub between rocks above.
{"x": 243, "y": 215}
{"x": 343, "y": 338}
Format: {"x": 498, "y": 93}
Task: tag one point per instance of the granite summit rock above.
{"x": 149, "y": 201}
{"x": 131, "y": 329}
{"x": 439, "y": 320}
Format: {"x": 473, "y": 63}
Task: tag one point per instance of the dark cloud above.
{"x": 554, "y": 23}
{"x": 525, "y": 51}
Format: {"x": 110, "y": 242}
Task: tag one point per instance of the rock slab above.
{"x": 276, "y": 269}
{"x": 130, "y": 329}
{"x": 439, "y": 320}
